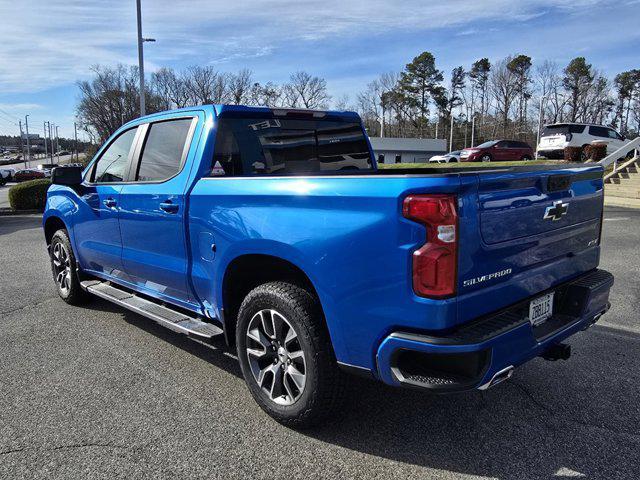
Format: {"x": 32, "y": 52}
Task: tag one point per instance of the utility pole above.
{"x": 57, "y": 145}
{"x": 473, "y": 129}
{"x": 21, "y": 144}
{"x": 141, "y": 40}
{"x": 26, "y": 125}
{"x": 451, "y": 134}
{"x": 50, "y": 140}
{"x": 75, "y": 136}
{"x": 542, "y": 99}
{"x": 46, "y": 150}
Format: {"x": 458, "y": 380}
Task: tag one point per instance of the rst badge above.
{"x": 556, "y": 211}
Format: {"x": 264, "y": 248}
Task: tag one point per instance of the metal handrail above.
{"x": 621, "y": 167}
{"x": 621, "y": 153}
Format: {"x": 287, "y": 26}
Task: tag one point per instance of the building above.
{"x": 407, "y": 150}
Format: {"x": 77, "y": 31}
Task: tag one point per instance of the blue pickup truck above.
{"x": 275, "y": 230}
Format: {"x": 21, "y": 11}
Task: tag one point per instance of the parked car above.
{"x": 497, "y": 151}
{"x": 6, "y": 175}
{"x": 446, "y": 158}
{"x": 29, "y": 174}
{"x": 556, "y": 137}
{"x": 47, "y": 166}
{"x": 214, "y": 221}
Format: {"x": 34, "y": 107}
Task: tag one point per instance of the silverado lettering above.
{"x": 484, "y": 278}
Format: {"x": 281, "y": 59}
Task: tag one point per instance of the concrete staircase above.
{"x": 622, "y": 187}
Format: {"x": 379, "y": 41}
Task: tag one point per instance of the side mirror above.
{"x": 70, "y": 176}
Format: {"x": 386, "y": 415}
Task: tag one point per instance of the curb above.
{"x": 6, "y": 212}
{"x": 611, "y": 201}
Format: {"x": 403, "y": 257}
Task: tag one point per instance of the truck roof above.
{"x": 218, "y": 109}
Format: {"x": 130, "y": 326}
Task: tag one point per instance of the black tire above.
{"x": 526, "y": 158}
{"x": 485, "y": 157}
{"x": 323, "y": 390}
{"x": 583, "y": 154}
{"x": 64, "y": 269}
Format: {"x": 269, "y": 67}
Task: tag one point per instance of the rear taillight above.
{"x": 434, "y": 264}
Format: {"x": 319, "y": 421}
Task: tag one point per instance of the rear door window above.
{"x": 599, "y": 131}
{"x": 281, "y": 146}
{"x": 164, "y": 150}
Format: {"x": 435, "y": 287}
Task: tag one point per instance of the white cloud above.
{"x": 55, "y": 42}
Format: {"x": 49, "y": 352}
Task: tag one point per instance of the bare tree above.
{"x": 267, "y": 95}
{"x": 504, "y": 89}
{"x": 205, "y": 85}
{"x": 170, "y": 87}
{"x": 239, "y": 87}
{"x": 111, "y": 99}
{"x": 306, "y": 91}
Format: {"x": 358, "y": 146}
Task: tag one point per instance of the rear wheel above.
{"x": 286, "y": 355}
{"x": 583, "y": 154}
{"x": 64, "y": 269}
{"x": 526, "y": 157}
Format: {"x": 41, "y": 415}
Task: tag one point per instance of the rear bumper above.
{"x": 551, "y": 152}
{"x": 490, "y": 347}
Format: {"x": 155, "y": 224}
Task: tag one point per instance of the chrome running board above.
{"x": 165, "y": 316}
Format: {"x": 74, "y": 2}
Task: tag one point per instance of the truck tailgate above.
{"x": 522, "y": 232}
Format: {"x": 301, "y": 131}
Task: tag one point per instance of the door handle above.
{"x": 109, "y": 203}
{"x": 169, "y": 207}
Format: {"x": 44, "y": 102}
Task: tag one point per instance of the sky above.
{"x": 46, "y": 46}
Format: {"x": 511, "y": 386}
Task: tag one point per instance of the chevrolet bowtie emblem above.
{"x": 556, "y": 211}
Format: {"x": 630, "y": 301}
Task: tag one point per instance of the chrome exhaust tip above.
{"x": 498, "y": 377}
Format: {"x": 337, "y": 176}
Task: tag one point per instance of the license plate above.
{"x": 541, "y": 309}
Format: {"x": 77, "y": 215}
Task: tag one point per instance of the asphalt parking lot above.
{"x": 99, "y": 392}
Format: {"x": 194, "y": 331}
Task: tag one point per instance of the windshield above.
{"x": 561, "y": 129}
{"x": 264, "y": 146}
{"x": 487, "y": 144}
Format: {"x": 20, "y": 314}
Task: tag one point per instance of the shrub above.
{"x": 572, "y": 154}
{"x": 596, "y": 151}
{"x": 30, "y": 195}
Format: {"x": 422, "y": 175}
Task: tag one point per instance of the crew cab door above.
{"x": 97, "y": 231}
{"x": 152, "y": 209}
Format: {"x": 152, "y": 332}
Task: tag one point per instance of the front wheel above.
{"x": 286, "y": 356}
{"x": 64, "y": 269}
{"x": 485, "y": 158}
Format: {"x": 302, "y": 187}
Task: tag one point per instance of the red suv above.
{"x": 497, "y": 151}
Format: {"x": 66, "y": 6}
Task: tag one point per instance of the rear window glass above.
{"x": 281, "y": 146}
{"x": 562, "y": 129}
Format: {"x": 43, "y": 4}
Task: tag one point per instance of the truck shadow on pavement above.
{"x": 552, "y": 420}
{"x": 216, "y": 353}
{"x": 575, "y": 419}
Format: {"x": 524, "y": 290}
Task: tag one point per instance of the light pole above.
{"x": 141, "y": 40}
{"x": 542, "y": 99}
{"x": 451, "y": 133}
{"x": 46, "y": 152}
{"x": 57, "y": 145}
{"x": 26, "y": 126}
{"x": 75, "y": 136}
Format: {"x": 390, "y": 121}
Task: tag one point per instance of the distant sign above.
{"x": 32, "y": 136}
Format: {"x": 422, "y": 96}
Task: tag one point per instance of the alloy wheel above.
{"x": 62, "y": 268}
{"x": 275, "y": 356}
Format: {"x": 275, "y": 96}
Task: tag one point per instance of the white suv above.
{"x": 556, "y": 137}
